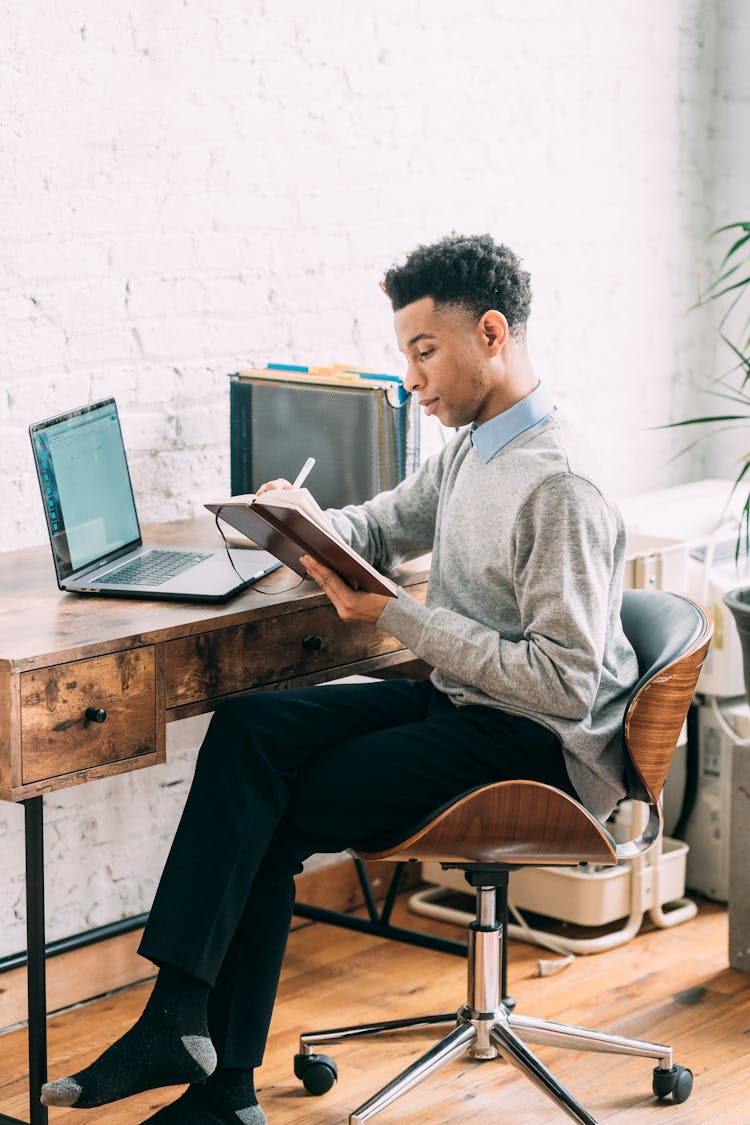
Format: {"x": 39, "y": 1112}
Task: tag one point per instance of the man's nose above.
{"x": 412, "y": 378}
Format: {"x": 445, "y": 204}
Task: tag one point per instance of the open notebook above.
{"x": 289, "y": 523}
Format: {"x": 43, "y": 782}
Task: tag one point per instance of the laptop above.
{"x": 93, "y": 524}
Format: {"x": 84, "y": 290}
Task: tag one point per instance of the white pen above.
{"x": 302, "y": 475}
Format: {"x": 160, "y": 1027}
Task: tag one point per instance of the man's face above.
{"x": 448, "y": 361}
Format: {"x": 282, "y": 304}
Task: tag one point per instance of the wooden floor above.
{"x": 672, "y": 986}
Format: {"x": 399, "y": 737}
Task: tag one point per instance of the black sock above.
{"x": 168, "y": 1046}
{"x": 226, "y": 1098}
{"x": 235, "y": 1088}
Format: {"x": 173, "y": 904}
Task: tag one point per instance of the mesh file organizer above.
{"x": 362, "y": 430}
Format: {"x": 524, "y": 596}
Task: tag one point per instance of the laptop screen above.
{"x": 85, "y": 482}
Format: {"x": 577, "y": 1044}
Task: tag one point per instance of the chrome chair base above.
{"x": 487, "y": 1029}
{"x": 488, "y": 1036}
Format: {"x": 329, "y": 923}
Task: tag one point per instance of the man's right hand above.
{"x": 272, "y": 484}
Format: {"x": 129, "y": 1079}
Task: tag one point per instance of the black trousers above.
{"x": 282, "y": 775}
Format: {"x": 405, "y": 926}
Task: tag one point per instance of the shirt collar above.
{"x": 492, "y": 435}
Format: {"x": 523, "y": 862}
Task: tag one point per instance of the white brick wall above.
{"x": 188, "y": 188}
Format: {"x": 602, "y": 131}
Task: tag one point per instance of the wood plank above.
{"x": 80, "y": 975}
{"x": 671, "y": 985}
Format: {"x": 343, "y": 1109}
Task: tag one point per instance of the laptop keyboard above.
{"x": 154, "y": 568}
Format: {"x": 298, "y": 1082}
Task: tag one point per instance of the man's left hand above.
{"x": 351, "y": 605}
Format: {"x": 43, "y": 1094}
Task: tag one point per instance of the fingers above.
{"x": 318, "y": 573}
{"x": 349, "y": 604}
{"x": 271, "y": 485}
{"x": 326, "y": 579}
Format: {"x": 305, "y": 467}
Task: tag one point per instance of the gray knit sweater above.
{"x": 523, "y": 603}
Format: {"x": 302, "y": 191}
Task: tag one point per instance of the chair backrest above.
{"x": 670, "y": 635}
{"x": 526, "y": 822}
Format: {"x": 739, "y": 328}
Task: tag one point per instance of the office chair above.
{"x": 490, "y": 831}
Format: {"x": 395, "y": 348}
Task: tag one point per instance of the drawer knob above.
{"x": 312, "y": 642}
{"x": 95, "y": 714}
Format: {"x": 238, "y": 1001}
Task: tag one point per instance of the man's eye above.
{"x": 424, "y": 355}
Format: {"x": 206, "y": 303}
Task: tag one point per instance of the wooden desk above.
{"x": 145, "y": 664}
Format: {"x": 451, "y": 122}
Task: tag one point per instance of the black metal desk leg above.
{"x": 35, "y": 944}
{"x": 36, "y": 969}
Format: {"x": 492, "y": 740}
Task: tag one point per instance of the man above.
{"x": 532, "y": 670}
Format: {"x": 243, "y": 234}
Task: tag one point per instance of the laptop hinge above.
{"x": 102, "y": 564}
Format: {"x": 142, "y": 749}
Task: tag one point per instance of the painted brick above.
{"x": 143, "y": 255}
{"x": 105, "y": 346}
{"x": 53, "y": 258}
{"x": 162, "y": 297}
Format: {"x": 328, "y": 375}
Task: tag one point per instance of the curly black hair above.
{"x": 471, "y": 271}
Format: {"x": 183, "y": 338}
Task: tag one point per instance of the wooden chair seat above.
{"x": 508, "y": 822}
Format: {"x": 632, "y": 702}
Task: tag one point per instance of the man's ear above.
{"x": 495, "y": 330}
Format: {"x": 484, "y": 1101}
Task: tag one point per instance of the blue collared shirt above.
{"x": 492, "y": 435}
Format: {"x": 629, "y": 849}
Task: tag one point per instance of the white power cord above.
{"x": 523, "y": 930}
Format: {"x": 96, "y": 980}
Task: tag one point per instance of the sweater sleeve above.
{"x": 396, "y": 525}
{"x": 564, "y": 542}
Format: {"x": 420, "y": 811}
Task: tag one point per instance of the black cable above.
{"x": 268, "y": 593}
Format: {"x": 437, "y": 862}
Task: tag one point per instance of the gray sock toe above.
{"x": 65, "y": 1091}
{"x": 253, "y": 1115}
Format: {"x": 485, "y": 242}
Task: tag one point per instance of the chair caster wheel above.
{"x": 316, "y": 1072}
{"x": 678, "y": 1081}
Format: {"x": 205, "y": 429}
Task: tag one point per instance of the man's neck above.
{"x": 515, "y": 382}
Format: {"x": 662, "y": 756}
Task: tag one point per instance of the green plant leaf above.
{"x": 724, "y": 378}
{"x": 698, "y": 441}
{"x": 741, "y": 474}
{"x": 737, "y": 245}
{"x": 723, "y": 276}
{"x": 744, "y": 526}
{"x": 732, "y": 305}
{"x": 743, "y": 400}
{"x": 730, "y": 226}
{"x": 701, "y": 421}
{"x": 730, "y": 285}
{"x": 744, "y": 359}
{"x": 728, "y": 289}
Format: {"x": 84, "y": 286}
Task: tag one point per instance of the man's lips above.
{"x": 429, "y": 405}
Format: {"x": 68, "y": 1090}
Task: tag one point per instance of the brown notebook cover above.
{"x": 287, "y": 533}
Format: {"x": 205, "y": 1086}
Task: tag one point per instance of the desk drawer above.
{"x": 56, "y": 736}
{"x": 244, "y": 657}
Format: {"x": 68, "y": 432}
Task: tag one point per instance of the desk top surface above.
{"x": 39, "y": 623}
